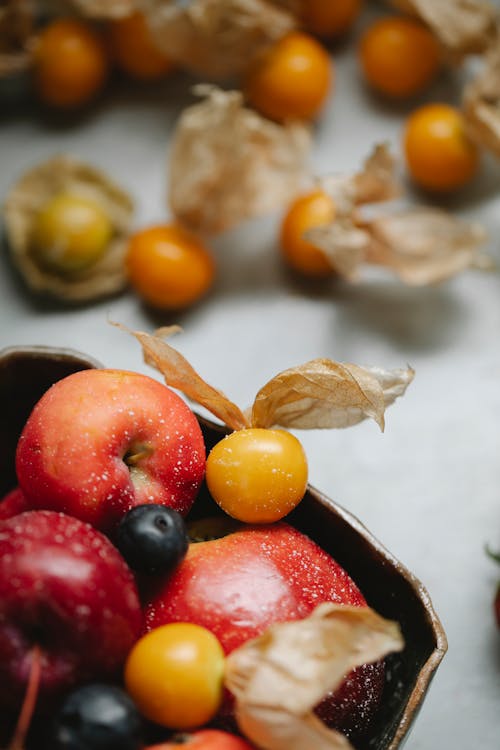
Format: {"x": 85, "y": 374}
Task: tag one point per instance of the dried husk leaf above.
{"x": 426, "y": 245}
{"x": 462, "y": 27}
{"x": 422, "y": 245}
{"x": 216, "y": 38}
{"x": 318, "y": 394}
{"x": 30, "y": 194}
{"x": 376, "y": 182}
{"x": 278, "y": 678}
{"x": 481, "y": 102}
{"x": 228, "y": 164}
{"x": 343, "y": 244}
{"x": 16, "y": 37}
{"x": 178, "y": 373}
{"x": 326, "y": 394}
{"x": 99, "y": 9}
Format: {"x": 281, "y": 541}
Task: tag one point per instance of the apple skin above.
{"x": 13, "y": 503}
{"x": 205, "y": 739}
{"x": 65, "y": 588}
{"x": 99, "y": 442}
{"x": 240, "y": 584}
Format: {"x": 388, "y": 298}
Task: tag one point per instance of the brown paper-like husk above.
{"x": 461, "y": 26}
{"x": 30, "y": 194}
{"x": 16, "y": 37}
{"x": 326, "y": 394}
{"x": 422, "y": 245}
{"x": 228, "y": 164}
{"x": 316, "y": 395}
{"x": 178, "y": 373}
{"x": 216, "y": 38}
{"x": 100, "y": 8}
{"x": 343, "y": 244}
{"x": 481, "y": 102}
{"x": 278, "y": 678}
{"x": 426, "y": 245}
{"x": 374, "y": 183}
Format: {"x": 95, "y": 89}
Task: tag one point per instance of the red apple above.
{"x": 65, "y": 589}
{"x": 13, "y": 503}
{"x": 102, "y": 441}
{"x": 205, "y": 739}
{"x": 239, "y": 584}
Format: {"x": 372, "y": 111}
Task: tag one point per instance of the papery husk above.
{"x": 178, "y": 373}
{"x": 318, "y": 394}
{"x": 344, "y": 245}
{"x": 481, "y": 102}
{"x": 376, "y": 182}
{"x": 422, "y": 245}
{"x": 16, "y": 37}
{"x": 278, "y": 678}
{"x": 216, "y": 38}
{"x": 229, "y": 164}
{"x": 462, "y": 27}
{"x": 99, "y": 9}
{"x": 327, "y": 394}
{"x": 426, "y": 245}
{"x": 30, "y": 194}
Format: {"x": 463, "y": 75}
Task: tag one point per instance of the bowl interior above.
{"x": 26, "y": 373}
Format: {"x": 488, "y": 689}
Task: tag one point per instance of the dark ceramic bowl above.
{"x": 26, "y": 373}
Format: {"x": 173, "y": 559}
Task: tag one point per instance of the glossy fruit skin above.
{"x": 290, "y": 80}
{"x": 206, "y": 739}
{"x": 64, "y": 587}
{"x": 240, "y": 584}
{"x": 71, "y": 232}
{"x": 13, "y": 503}
{"x": 439, "y": 155}
{"x": 329, "y": 18}
{"x": 399, "y": 56}
{"x": 133, "y": 50}
{"x": 257, "y": 475}
{"x": 152, "y": 538}
{"x": 169, "y": 267}
{"x": 71, "y": 65}
{"x": 100, "y": 442}
{"x": 174, "y": 674}
{"x": 306, "y": 212}
{"x": 98, "y": 717}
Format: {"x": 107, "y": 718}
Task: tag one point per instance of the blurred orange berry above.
{"x": 329, "y": 18}
{"x": 71, "y": 64}
{"x": 169, "y": 267}
{"x": 311, "y": 210}
{"x": 133, "y": 50}
{"x": 399, "y": 56}
{"x": 291, "y": 79}
{"x": 438, "y": 152}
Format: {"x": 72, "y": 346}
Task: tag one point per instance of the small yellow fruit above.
{"x": 257, "y": 475}
{"x": 71, "y": 233}
{"x": 174, "y": 675}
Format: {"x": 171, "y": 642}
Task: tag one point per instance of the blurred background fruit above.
{"x": 291, "y": 79}
{"x": 439, "y": 155}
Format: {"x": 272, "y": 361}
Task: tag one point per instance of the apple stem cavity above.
{"x": 29, "y": 702}
{"x": 136, "y": 454}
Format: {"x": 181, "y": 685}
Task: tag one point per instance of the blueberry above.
{"x": 98, "y": 717}
{"x": 152, "y": 538}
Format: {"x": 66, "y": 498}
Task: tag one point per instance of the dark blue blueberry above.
{"x": 152, "y": 539}
{"x": 98, "y": 717}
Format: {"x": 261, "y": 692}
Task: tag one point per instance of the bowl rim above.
{"x": 427, "y": 671}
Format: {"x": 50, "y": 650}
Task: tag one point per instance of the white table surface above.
{"x": 429, "y": 487}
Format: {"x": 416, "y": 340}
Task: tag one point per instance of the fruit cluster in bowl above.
{"x": 108, "y": 610}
